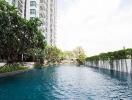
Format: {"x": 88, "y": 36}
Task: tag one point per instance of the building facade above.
{"x": 20, "y": 4}
{"x": 52, "y": 6}
{"x": 31, "y": 9}
{"x": 45, "y": 10}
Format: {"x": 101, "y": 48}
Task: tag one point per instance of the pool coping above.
{"x": 2, "y": 75}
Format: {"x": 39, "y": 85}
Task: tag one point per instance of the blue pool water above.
{"x": 67, "y": 83}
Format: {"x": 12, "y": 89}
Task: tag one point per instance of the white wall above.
{"x": 123, "y": 65}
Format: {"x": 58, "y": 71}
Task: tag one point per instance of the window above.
{"x": 20, "y": 7}
{"x": 41, "y": 15}
{"x": 32, "y": 11}
{"x": 41, "y": 7}
{"x": 33, "y": 3}
{"x": 41, "y": 1}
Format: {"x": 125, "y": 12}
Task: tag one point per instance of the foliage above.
{"x": 52, "y": 54}
{"x": 12, "y": 67}
{"x": 18, "y": 35}
{"x": 116, "y": 55}
{"x": 79, "y": 55}
{"x": 67, "y": 55}
{"x": 38, "y": 65}
{"x": 36, "y": 55}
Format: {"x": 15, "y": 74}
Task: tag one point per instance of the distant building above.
{"x": 43, "y": 9}
{"x": 51, "y": 32}
{"x": 20, "y": 4}
{"x": 46, "y": 11}
{"x": 31, "y": 9}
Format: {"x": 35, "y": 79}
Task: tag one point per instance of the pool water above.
{"x": 67, "y": 82}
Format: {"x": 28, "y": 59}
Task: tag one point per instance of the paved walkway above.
{"x": 28, "y": 64}
{"x": 2, "y": 64}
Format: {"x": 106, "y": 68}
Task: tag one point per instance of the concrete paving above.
{"x": 2, "y": 64}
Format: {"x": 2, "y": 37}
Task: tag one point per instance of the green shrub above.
{"x": 38, "y": 65}
{"x": 12, "y": 67}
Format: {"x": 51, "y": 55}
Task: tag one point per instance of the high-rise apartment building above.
{"x": 45, "y": 10}
{"x": 31, "y": 9}
{"x": 52, "y": 6}
{"x": 20, "y": 4}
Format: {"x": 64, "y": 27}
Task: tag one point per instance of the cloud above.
{"x": 96, "y": 25}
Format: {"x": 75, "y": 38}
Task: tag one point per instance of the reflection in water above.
{"x": 67, "y": 82}
{"x": 121, "y": 76}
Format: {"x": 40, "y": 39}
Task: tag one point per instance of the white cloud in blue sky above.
{"x": 96, "y": 25}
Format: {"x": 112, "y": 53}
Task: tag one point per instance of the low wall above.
{"x": 13, "y": 73}
{"x": 27, "y": 64}
{"x": 124, "y": 65}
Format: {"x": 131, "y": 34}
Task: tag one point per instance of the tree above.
{"x": 79, "y": 55}
{"x": 18, "y": 35}
{"x": 68, "y": 55}
{"x": 52, "y": 54}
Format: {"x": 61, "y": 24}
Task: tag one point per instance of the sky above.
{"x": 95, "y": 25}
